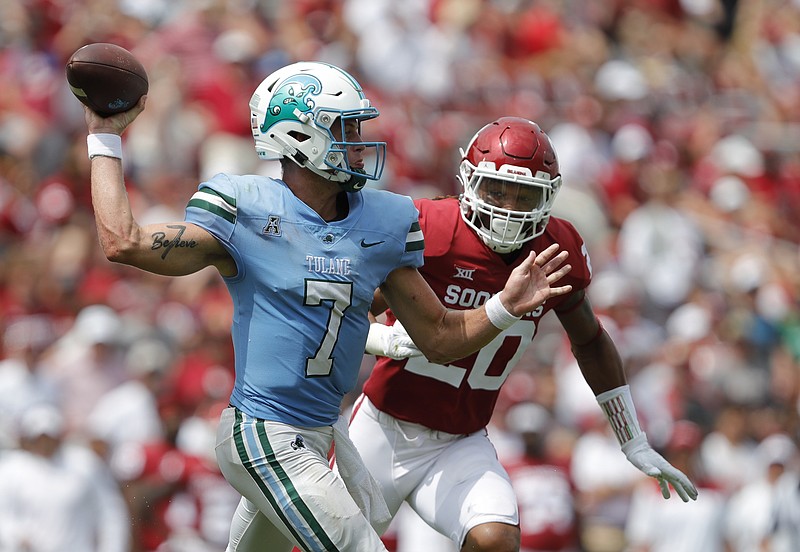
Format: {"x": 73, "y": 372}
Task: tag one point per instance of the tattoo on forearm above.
{"x": 160, "y": 240}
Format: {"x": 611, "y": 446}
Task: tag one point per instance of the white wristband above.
{"x": 617, "y": 404}
{"x": 107, "y": 145}
{"x": 498, "y": 314}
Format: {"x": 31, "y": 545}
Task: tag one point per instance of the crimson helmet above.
{"x": 510, "y": 176}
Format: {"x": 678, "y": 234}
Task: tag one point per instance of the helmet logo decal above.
{"x": 291, "y": 99}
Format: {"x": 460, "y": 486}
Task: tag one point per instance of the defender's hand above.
{"x": 639, "y": 453}
{"x": 531, "y": 283}
{"x": 390, "y": 341}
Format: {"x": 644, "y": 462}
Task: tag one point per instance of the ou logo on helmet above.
{"x": 292, "y": 98}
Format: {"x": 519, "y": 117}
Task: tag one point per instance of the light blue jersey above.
{"x": 303, "y": 289}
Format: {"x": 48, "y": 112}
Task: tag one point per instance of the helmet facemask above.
{"x": 487, "y": 192}
{"x": 294, "y": 112}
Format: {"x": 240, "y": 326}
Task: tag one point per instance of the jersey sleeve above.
{"x": 213, "y": 207}
{"x": 568, "y": 237}
{"x": 397, "y": 211}
{"x": 438, "y": 221}
{"x": 415, "y": 246}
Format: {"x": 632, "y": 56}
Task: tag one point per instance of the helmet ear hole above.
{"x": 298, "y": 136}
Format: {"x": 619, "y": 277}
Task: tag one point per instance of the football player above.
{"x": 302, "y": 257}
{"x": 420, "y": 425}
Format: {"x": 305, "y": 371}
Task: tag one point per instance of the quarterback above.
{"x": 433, "y": 451}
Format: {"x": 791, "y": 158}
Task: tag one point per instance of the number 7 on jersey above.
{"x": 337, "y": 296}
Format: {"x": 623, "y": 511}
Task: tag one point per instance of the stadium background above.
{"x": 676, "y": 124}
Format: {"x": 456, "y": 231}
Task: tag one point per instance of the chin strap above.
{"x": 355, "y": 182}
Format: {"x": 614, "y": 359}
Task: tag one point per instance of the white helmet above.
{"x": 291, "y": 115}
{"x": 510, "y": 176}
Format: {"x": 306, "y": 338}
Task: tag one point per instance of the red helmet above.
{"x": 510, "y": 176}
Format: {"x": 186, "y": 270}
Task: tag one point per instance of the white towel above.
{"x": 359, "y": 482}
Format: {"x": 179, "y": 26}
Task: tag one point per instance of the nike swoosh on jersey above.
{"x": 365, "y": 244}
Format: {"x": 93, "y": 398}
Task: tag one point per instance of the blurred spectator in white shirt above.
{"x": 749, "y": 519}
{"x": 23, "y": 342}
{"x": 129, "y": 412}
{"x": 604, "y": 481}
{"x": 56, "y": 495}
{"x": 728, "y": 452}
{"x": 784, "y": 526}
{"x": 86, "y": 362}
{"x": 658, "y": 525}
{"x": 658, "y": 243}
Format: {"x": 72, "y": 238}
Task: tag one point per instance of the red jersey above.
{"x": 464, "y": 273}
{"x": 546, "y": 501}
{"x": 172, "y": 492}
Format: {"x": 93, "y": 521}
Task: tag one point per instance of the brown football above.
{"x": 106, "y": 77}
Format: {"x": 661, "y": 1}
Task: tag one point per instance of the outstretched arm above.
{"x": 445, "y": 335}
{"x": 171, "y": 249}
{"x": 602, "y": 368}
{"x": 596, "y": 353}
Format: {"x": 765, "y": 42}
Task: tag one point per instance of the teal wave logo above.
{"x": 295, "y": 95}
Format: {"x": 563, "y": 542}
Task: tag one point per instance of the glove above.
{"x": 390, "y": 341}
{"x": 617, "y": 405}
{"x": 639, "y": 453}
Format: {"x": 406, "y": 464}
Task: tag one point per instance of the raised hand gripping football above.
{"x": 106, "y": 78}
{"x": 115, "y": 124}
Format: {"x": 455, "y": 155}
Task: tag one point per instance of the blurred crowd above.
{"x": 677, "y": 124}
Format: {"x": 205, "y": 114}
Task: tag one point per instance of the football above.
{"x": 107, "y": 78}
